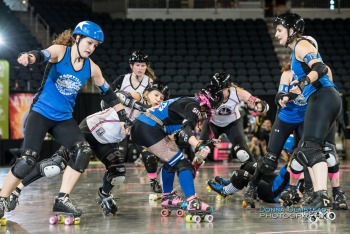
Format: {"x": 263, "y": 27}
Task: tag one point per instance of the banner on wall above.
{"x": 19, "y": 109}
{"x": 4, "y": 99}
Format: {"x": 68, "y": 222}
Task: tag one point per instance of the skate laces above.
{"x": 67, "y": 202}
{"x": 172, "y": 199}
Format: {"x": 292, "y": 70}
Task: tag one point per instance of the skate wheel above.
{"x": 209, "y": 189}
{"x": 165, "y": 212}
{"x": 53, "y": 220}
{"x": 208, "y": 218}
{"x": 219, "y": 197}
{"x": 68, "y": 221}
{"x": 196, "y": 219}
{"x": 76, "y": 221}
{"x": 3, "y": 221}
{"x": 244, "y": 204}
{"x": 331, "y": 216}
{"x": 313, "y": 219}
{"x": 61, "y": 219}
{"x": 180, "y": 213}
{"x": 188, "y": 218}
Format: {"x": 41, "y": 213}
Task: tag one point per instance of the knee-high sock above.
{"x": 168, "y": 180}
{"x": 187, "y": 183}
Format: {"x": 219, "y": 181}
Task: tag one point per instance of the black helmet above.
{"x": 291, "y": 20}
{"x": 139, "y": 57}
{"x": 211, "y": 96}
{"x": 221, "y": 79}
{"x": 160, "y": 86}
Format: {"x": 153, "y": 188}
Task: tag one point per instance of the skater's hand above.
{"x": 25, "y": 59}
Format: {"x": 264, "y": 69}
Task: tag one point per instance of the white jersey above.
{"x": 127, "y": 86}
{"x": 105, "y": 126}
{"x": 228, "y": 111}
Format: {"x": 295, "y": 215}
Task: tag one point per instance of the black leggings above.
{"x": 280, "y": 132}
{"x": 323, "y": 109}
{"x": 66, "y": 132}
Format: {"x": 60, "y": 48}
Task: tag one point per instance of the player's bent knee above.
{"x": 81, "y": 154}
{"x": 25, "y": 164}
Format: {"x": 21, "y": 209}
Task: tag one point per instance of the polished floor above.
{"x": 137, "y": 214}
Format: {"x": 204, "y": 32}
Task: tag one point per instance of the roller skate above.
{"x": 249, "y": 197}
{"x": 3, "y": 208}
{"x": 320, "y": 200}
{"x": 65, "y": 212}
{"x": 222, "y": 181}
{"x": 213, "y": 185}
{"x": 289, "y": 197}
{"x": 307, "y": 197}
{"x": 339, "y": 199}
{"x": 198, "y": 211}
{"x": 107, "y": 202}
{"x": 172, "y": 201}
{"x": 12, "y": 201}
{"x": 155, "y": 186}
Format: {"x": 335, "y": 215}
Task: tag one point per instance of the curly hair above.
{"x": 65, "y": 38}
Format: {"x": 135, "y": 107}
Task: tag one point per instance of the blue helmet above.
{"x": 89, "y": 29}
{"x": 288, "y": 146}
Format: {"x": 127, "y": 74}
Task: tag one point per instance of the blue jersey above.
{"x": 172, "y": 112}
{"x": 61, "y": 84}
{"x": 295, "y": 110}
{"x": 301, "y": 69}
{"x": 280, "y": 183}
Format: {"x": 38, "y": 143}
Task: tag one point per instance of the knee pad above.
{"x": 115, "y": 174}
{"x": 115, "y": 156}
{"x": 250, "y": 167}
{"x": 296, "y": 167}
{"x": 80, "y": 156}
{"x": 330, "y": 154}
{"x": 52, "y": 166}
{"x": 25, "y": 164}
{"x": 240, "y": 179}
{"x": 268, "y": 164}
{"x": 150, "y": 161}
{"x": 310, "y": 153}
{"x": 183, "y": 164}
{"x": 242, "y": 153}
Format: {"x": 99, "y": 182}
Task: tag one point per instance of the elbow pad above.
{"x": 320, "y": 68}
{"x": 109, "y": 97}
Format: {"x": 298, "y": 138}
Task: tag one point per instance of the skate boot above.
{"x": 3, "y": 208}
{"x": 197, "y": 210}
{"x": 249, "y": 196}
{"x": 107, "y": 202}
{"x": 65, "y": 205}
{"x": 289, "y": 197}
{"x": 222, "y": 181}
{"x": 308, "y": 196}
{"x": 171, "y": 201}
{"x": 155, "y": 186}
{"x": 320, "y": 200}
{"x": 13, "y": 199}
{"x": 339, "y": 199}
{"x": 213, "y": 185}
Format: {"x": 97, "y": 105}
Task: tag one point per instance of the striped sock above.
{"x": 229, "y": 189}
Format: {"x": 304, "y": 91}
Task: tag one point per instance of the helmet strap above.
{"x": 80, "y": 57}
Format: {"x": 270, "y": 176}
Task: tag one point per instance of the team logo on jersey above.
{"x": 300, "y": 100}
{"x": 224, "y": 110}
{"x": 68, "y": 84}
{"x": 100, "y": 131}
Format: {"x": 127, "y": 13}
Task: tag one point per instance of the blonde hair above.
{"x": 65, "y": 38}
{"x": 150, "y": 73}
